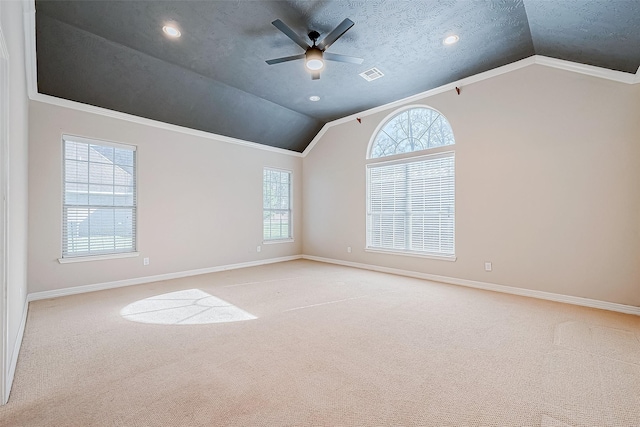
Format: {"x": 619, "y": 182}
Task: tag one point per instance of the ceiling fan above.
{"x": 316, "y": 54}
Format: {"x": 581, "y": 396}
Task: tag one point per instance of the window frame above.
{"x": 64, "y": 259}
{"x": 290, "y": 238}
{"x": 403, "y": 158}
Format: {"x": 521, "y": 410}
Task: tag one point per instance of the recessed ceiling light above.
{"x": 451, "y": 39}
{"x": 171, "y": 31}
{"x": 314, "y": 98}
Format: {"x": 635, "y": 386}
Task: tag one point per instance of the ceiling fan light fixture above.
{"x": 452, "y": 39}
{"x": 171, "y": 31}
{"x": 315, "y": 64}
{"x": 313, "y": 60}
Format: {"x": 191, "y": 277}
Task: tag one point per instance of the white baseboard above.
{"x": 586, "y": 302}
{"x": 13, "y": 361}
{"x": 604, "y": 305}
{"x": 148, "y": 279}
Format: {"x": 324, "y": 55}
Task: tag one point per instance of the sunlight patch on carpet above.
{"x": 188, "y": 307}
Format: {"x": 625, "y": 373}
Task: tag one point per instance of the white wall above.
{"x": 547, "y": 173}
{"x": 13, "y": 31}
{"x": 199, "y": 200}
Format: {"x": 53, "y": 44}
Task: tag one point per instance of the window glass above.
{"x": 415, "y": 129}
{"x": 99, "y": 209}
{"x": 276, "y": 195}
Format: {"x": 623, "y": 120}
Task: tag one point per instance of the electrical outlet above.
{"x": 348, "y": 249}
{"x": 259, "y": 248}
{"x": 145, "y": 261}
{"x": 487, "y": 266}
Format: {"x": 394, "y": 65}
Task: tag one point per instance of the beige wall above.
{"x": 547, "y": 179}
{"x": 199, "y": 200}
{"x": 13, "y": 31}
{"x": 548, "y": 164}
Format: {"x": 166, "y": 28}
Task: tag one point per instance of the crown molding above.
{"x": 34, "y": 95}
{"x": 590, "y": 70}
{"x": 413, "y": 98}
{"x": 32, "y": 86}
{"x": 60, "y": 102}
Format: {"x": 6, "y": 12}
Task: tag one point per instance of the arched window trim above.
{"x": 390, "y": 117}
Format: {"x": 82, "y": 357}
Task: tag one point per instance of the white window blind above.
{"x": 99, "y": 209}
{"x": 411, "y": 205}
{"x": 276, "y": 195}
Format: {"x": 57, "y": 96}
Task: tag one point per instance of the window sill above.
{"x": 451, "y": 258}
{"x": 273, "y": 242}
{"x": 97, "y": 257}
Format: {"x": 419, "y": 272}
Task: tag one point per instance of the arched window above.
{"x": 411, "y": 200}
{"x": 414, "y": 129}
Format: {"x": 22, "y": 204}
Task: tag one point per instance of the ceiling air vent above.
{"x": 371, "y": 74}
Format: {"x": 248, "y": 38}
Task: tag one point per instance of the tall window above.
{"x": 99, "y": 211}
{"x": 411, "y": 199}
{"x": 276, "y": 195}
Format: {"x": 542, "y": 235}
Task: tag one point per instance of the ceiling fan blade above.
{"x": 285, "y": 59}
{"x": 290, "y": 33}
{"x": 315, "y": 76}
{"x": 342, "y": 58}
{"x": 336, "y": 34}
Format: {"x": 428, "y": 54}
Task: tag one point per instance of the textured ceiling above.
{"x": 214, "y": 78}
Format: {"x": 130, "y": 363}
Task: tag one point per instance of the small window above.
{"x": 411, "y": 130}
{"x": 276, "y": 195}
{"x": 99, "y": 209}
{"x": 411, "y": 201}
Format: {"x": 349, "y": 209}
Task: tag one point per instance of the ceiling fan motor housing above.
{"x": 314, "y": 36}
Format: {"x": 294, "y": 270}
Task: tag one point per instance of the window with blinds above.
{"x": 411, "y": 201}
{"x": 276, "y": 196}
{"x": 411, "y": 205}
{"x": 99, "y": 209}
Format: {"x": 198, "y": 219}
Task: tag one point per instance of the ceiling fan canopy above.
{"x": 316, "y": 54}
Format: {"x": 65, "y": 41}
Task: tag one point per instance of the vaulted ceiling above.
{"x": 214, "y": 77}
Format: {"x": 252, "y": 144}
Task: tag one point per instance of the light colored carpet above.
{"x": 304, "y": 343}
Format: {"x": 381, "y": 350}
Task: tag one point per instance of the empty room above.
{"x": 320, "y": 213}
